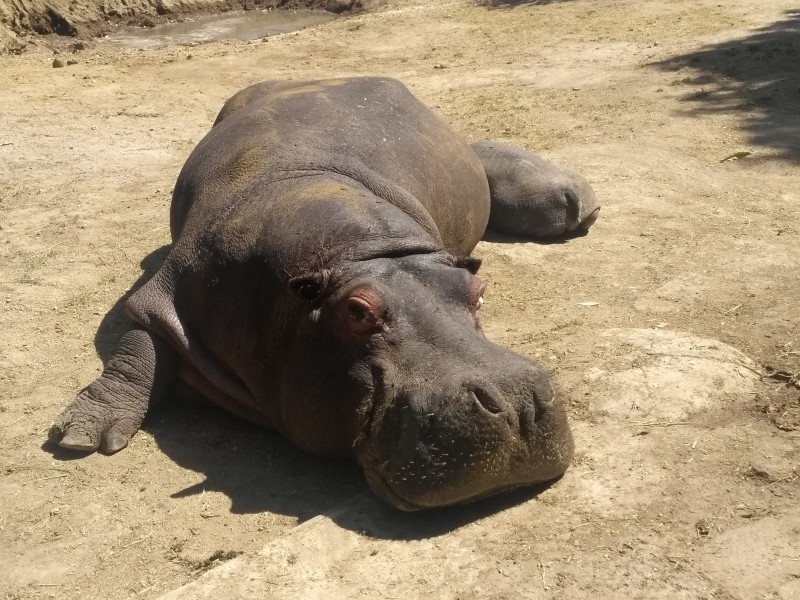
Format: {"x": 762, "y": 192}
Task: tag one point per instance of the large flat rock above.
{"x": 668, "y": 375}
{"x": 493, "y": 557}
{"x": 758, "y": 560}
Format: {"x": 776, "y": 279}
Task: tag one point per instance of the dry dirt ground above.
{"x": 672, "y": 329}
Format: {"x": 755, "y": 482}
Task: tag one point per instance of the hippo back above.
{"x": 371, "y": 130}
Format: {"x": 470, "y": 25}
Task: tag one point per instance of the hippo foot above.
{"x": 111, "y": 409}
{"x": 88, "y": 424}
{"x": 534, "y": 198}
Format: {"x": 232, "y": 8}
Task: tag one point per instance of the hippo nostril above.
{"x": 486, "y": 401}
{"x": 589, "y": 221}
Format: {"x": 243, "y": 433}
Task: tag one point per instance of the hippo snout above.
{"x": 466, "y": 440}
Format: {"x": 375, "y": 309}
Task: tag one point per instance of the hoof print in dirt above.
{"x": 320, "y": 284}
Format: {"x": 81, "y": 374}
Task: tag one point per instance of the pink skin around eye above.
{"x": 477, "y": 289}
{"x": 362, "y": 312}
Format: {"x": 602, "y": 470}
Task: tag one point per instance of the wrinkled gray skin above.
{"x": 532, "y": 197}
{"x": 320, "y": 284}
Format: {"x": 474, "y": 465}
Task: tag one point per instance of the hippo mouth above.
{"x": 384, "y": 491}
{"x": 423, "y": 479}
{"x": 461, "y": 452}
{"x": 380, "y": 486}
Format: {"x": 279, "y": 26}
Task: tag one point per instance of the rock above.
{"x": 759, "y": 472}
{"x": 57, "y": 63}
{"x": 343, "y": 6}
{"x": 756, "y": 560}
{"x": 667, "y": 376}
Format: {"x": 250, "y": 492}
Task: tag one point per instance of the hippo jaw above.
{"x": 466, "y": 440}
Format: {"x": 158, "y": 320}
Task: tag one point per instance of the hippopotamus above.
{"x": 320, "y": 284}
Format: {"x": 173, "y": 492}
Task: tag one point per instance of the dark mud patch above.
{"x": 240, "y": 25}
{"x": 53, "y": 21}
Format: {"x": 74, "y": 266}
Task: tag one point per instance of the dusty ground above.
{"x": 686, "y": 479}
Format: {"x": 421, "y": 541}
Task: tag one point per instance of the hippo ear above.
{"x": 470, "y": 263}
{"x": 310, "y": 287}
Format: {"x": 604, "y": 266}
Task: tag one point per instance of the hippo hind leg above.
{"x": 532, "y": 197}
{"x": 111, "y": 409}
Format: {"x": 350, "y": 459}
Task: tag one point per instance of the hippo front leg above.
{"x": 532, "y": 197}
{"x": 111, "y": 409}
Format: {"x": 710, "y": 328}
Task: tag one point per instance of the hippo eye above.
{"x": 362, "y": 311}
{"x": 308, "y": 291}
{"x": 310, "y": 287}
{"x": 477, "y": 292}
{"x": 356, "y": 311}
{"x": 470, "y": 263}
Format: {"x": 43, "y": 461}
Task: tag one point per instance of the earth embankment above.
{"x": 23, "y": 21}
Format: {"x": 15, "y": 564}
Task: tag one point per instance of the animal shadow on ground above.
{"x": 504, "y": 238}
{"x": 116, "y": 321}
{"x": 758, "y": 75}
{"x": 259, "y": 470}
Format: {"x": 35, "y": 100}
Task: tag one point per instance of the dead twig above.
{"x": 777, "y": 481}
{"x": 134, "y": 542}
{"x": 217, "y": 558}
{"x": 14, "y": 422}
{"x": 659, "y": 423}
{"x": 46, "y": 478}
{"x": 541, "y": 571}
{"x": 736, "y": 156}
{"x": 791, "y": 477}
{"x": 792, "y": 379}
{"x": 147, "y": 589}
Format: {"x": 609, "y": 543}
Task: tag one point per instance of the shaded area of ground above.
{"x": 757, "y": 76}
{"x": 116, "y": 321}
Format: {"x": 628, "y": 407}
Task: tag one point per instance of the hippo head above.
{"x": 434, "y": 412}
